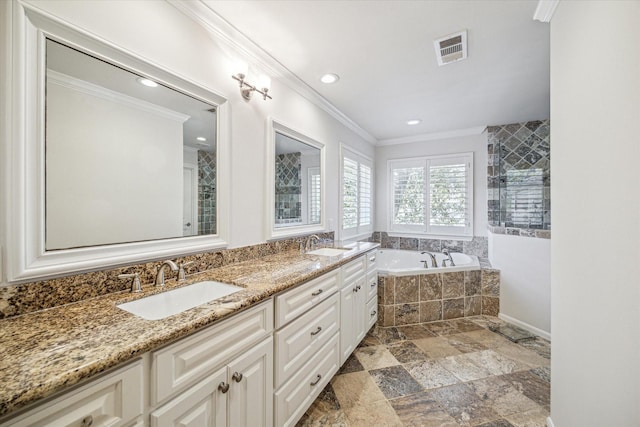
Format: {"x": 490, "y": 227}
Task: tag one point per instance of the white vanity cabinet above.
{"x": 222, "y": 376}
{"x": 115, "y": 399}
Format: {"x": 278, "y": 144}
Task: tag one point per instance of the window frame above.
{"x": 360, "y": 230}
{"x": 425, "y": 228}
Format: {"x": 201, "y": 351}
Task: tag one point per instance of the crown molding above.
{"x": 545, "y": 9}
{"x": 222, "y": 30}
{"x": 433, "y": 136}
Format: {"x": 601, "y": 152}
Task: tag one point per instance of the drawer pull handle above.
{"x": 355, "y": 289}
{"x": 316, "y": 293}
{"x": 374, "y": 283}
{"x": 317, "y": 331}
{"x": 237, "y": 377}
{"x": 317, "y": 380}
{"x": 372, "y": 259}
{"x": 223, "y": 387}
{"x": 373, "y": 313}
{"x": 87, "y": 421}
{"x": 358, "y": 288}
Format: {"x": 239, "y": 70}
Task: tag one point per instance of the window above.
{"x": 356, "y": 194}
{"x": 432, "y": 195}
{"x": 314, "y": 195}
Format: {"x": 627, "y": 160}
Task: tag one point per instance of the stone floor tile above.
{"x": 501, "y": 396}
{"x": 464, "y": 343}
{"x": 430, "y": 374}
{"x": 325, "y": 411}
{"x": 421, "y": 409}
{"x": 414, "y": 332}
{"x": 543, "y": 372}
{"x": 496, "y": 423}
{"x": 388, "y": 335}
{"x": 522, "y": 354}
{"x": 436, "y": 348}
{"x": 532, "y": 418}
{"x": 448, "y": 327}
{"x": 531, "y": 386}
{"x": 463, "y": 368}
{"x": 395, "y": 381}
{"x": 355, "y": 389}
{"x": 496, "y": 363}
{"x": 486, "y": 321}
{"x": 464, "y": 405}
{"x": 375, "y": 357}
{"x": 406, "y": 352}
{"x": 369, "y": 340}
{"x": 539, "y": 345}
{"x": 487, "y": 338}
{"x": 465, "y": 325}
{"x": 373, "y": 414}
{"x": 352, "y": 364}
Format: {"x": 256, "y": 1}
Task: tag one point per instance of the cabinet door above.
{"x": 251, "y": 390}
{"x": 347, "y": 326}
{"x": 203, "y": 405}
{"x": 359, "y": 309}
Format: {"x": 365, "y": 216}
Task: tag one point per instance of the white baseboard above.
{"x": 539, "y": 332}
{"x": 549, "y": 422}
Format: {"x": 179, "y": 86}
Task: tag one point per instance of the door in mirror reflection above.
{"x": 127, "y": 159}
{"x": 297, "y": 183}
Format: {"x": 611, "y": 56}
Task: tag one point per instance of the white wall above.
{"x": 595, "y": 249}
{"x": 473, "y": 143}
{"x": 161, "y": 34}
{"x": 525, "y": 280}
{"x": 83, "y": 192}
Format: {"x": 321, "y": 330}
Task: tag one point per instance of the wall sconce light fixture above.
{"x": 247, "y": 89}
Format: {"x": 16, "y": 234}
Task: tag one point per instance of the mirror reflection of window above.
{"x": 127, "y": 159}
{"x": 297, "y": 183}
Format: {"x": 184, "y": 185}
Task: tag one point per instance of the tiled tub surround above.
{"x": 518, "y": 179}
{"x": 29, "y": 297}
{"x": 409, "y": 300}
{"x": 478, "y": 246}
{"x": 49, "y": 350}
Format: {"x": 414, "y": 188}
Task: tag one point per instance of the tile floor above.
{"x": 445, "y": 374}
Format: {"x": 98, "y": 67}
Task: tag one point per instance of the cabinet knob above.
{"x": 223, "y": 387}
{"x": 358, "y": 288}
{"x": 317, "y": 331}
{"x": 373, "y": 313}
{"x": 316, "y": 293}
{"x": 237, "y": 377}
{"x": 87, "y": 421}
{"x": 317, "y": 380}
{"x": 372, "y": 259}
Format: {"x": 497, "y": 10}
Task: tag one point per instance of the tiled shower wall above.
{"x": 478, "y": 246}
{"x": 288, "y": 192}
{"x": 519, "y": 200}
{"x": 206, "y": 192}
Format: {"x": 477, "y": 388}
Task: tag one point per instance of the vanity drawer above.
{"x": 293, "y": 399}
{"x": 372, "y": 264}
{"x": 372, "y": 312}
{"x": 112, "y": 400}
{"x": 301, "y": 299}
{"x": 297, "y": 342}
{"x": 371, "y": 285}
{"x": 184, "y": 363}
{"x": 353, "y": 270}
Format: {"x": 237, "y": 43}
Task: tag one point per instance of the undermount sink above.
{"x": 328, "y": 251}
{"x": 172, "y": 302}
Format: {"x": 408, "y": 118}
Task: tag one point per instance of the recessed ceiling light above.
{"x": 201, "y": 138}
{"x": 413, "y": 122}
{"x": 329, "y": 78}
{"x": 147, "y": 82}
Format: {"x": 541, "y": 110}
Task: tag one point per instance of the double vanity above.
{"x": 258, "y": 356}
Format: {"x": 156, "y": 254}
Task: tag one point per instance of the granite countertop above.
{"x": 47, "y": 351}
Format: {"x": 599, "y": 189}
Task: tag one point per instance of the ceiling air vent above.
{"x": 451, "y": 48}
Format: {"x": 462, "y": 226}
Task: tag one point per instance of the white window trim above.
{"x": 424, "y": 230}
{"x": 359, "y": 231}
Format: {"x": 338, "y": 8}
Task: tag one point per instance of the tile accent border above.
{"x": 425, "y": 298}
{"x": 522, "y": 232}
{"x": 29, "y": 297}
{"x": 478, "y": 246}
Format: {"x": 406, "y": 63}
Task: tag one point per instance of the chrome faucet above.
{"x": 449, "y": 258}
{"x": 311, "y": 242}
{"x": 160, "y": 275}
{"x": 434, "y": 262}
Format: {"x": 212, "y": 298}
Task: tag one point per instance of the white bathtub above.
{"x": 395, "y": 262}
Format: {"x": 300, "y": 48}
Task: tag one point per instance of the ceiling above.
{"x": 383, "y": 52}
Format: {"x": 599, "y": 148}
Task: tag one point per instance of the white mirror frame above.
{"x": 24, "y": 188}
{"x": 273, "y": 232}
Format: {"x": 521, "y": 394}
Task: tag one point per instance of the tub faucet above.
{"x": 311, "y": 242}
{"x": 160, "y": 275}
{"x": 449, "y": 258}
{"x": 434, "y": 262}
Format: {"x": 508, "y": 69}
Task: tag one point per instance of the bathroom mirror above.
{"x": 296, "y": 182}
{"x": 103, "y": 170}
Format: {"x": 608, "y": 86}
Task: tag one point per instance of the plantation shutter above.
{"x": 349, "y": 193}
{"x": 365, "y": 195}
{"x": 314, "y": 195}
{"x": 408, "y": 194}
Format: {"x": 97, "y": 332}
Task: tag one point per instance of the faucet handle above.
{"x": 181, "y": 274}
{"x": 135, "y": 284}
